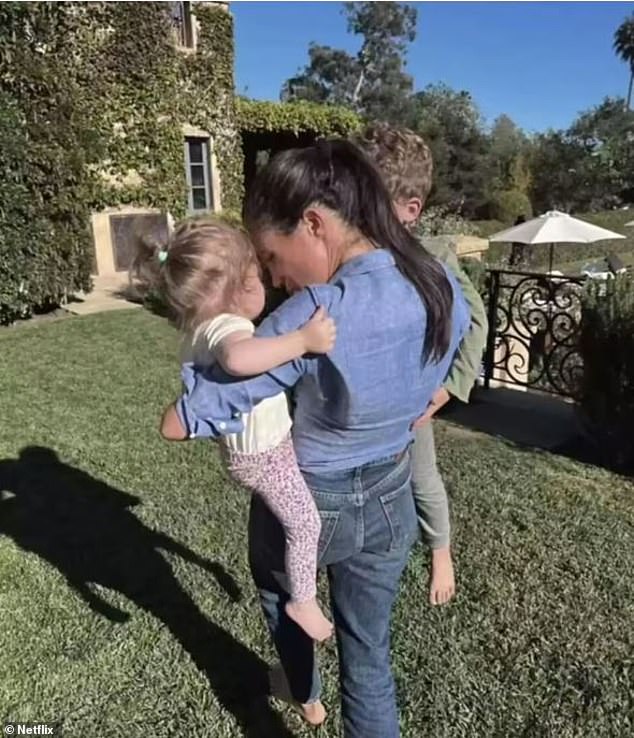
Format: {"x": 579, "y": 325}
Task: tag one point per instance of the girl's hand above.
{"x": 319, "y": 334}
{"x": 171, "y": 427}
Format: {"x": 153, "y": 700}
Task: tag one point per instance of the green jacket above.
{"x": 466, "y": 365}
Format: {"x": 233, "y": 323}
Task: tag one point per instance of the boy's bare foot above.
{"x": 442, "y": 585}
{"x": 310, "y": 618}
{"x": 314, "y": 713}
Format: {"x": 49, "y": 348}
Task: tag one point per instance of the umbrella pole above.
{"x": 552, "y": 250}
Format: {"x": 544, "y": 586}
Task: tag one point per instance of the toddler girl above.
{"x": 209, "y": 276}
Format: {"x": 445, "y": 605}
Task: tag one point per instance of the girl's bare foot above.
{"x": 310, "y": 618}
{"x": 442, "y": 585}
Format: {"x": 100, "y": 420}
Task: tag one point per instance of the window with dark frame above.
{"x": 197, "y": 166}
{"x": 182, "y": 23}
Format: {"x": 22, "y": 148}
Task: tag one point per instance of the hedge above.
{"x": 259, "y": 116}
{"x": 45, "y": 149}
{"x": 20, "y": 227}
{"x": 607, "y": 386}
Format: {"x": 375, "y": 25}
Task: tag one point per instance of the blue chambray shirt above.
{"x": 356, "y": 404}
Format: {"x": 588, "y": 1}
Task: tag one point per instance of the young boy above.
{"x": 405, "y": 161}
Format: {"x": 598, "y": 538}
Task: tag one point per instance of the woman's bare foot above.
{"x": 313, "y": 713}
{"x": 310, "y": 618}
{"x": 442, "y": 585}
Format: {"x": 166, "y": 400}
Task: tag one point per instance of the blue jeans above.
{"x": 368, "y": 527}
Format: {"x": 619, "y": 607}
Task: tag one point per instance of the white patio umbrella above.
{"x": 631, "y": 223}
{"x": 554, "y": 227}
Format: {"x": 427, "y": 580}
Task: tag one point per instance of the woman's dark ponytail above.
{"x": 338, "y": 175}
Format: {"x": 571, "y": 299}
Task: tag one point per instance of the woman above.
{"x": 321, "y": 216}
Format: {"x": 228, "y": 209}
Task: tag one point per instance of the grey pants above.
{"x": 430, "y": 495}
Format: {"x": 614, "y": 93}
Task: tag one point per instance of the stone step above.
{"x": 111, "y": 292}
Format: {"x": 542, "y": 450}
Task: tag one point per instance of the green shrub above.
{"x": 486, "y": 228}
{"x": 607, "y": 385}
{"x": 507, "y": 205}
{"x": 45, "y": 147}
{"x": 19, "y": 228}
{"x": 43, "y": 229}
{"x": 258, "y": 116}
{"x": 478, "y": 273}
{"x": 441, "y": 220}
{"x": 498, "y": 255}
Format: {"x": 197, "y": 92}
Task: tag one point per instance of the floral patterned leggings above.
{"x": 275, "y": 476}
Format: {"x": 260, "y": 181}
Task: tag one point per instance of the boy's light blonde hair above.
{"x": 203, "y": 263}
{"x": 402, "y": 157}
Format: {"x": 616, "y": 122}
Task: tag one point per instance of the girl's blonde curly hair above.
{"x": 200, "y": 268}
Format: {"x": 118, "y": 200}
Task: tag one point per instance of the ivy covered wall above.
{"x": 148, "y": 89}
{"x": 95, "y": 96}
{"x": 93, "y": 100}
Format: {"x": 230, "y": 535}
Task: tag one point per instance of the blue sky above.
{"x": 540, "y": 63}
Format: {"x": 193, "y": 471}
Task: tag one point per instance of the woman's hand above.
{"x": 319, "y": 333}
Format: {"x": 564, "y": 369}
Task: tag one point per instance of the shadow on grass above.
{"x": 86, "y": 530}
{"x": 152, "y": 302}
{"x": 534, "y": 420}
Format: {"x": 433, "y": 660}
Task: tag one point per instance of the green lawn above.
{"x": 120, "y": 556}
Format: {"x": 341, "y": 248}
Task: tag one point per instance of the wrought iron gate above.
{"x": 534, "y": 322}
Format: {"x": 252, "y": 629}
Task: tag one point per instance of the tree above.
{"x": 507, "y": 156}
{"x": 451, "y": 123}
{"x": 606, "y": 132}
{"x": 507, "y": 172}
{"x": 624, "y": 48}
{"x": 373, "y": 83}
{"x": 558, "y": 171}
{"x": 588, "y": 167}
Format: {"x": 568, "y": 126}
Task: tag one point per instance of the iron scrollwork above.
{"x": 534, "y": 322}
